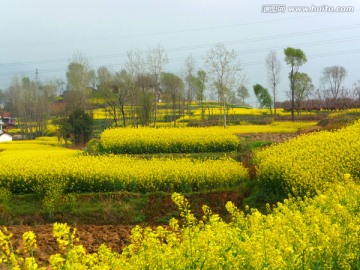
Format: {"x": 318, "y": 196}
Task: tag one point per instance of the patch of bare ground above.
{"x": 270, "y": 137}
{"x": 91, "y": 237}
{"x": 158, "y": 211}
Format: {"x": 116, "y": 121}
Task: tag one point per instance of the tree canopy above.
{"x": 81, "y": 126}
{"x": 295, "y": 58}
{"x": 263, "y": 96}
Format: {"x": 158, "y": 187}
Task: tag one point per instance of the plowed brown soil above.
{"x": 271, "y": 137}
{"x": 118, "y": 236}
{"x": 91, "y": 237}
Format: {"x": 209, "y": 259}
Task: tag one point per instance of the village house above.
{"x": 4, "y": 137}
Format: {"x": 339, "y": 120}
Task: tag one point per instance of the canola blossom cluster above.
{"x": 168, "y": 140}
{"x": 316, "y": 228}
{"x": 186, "y": 140}
{"x": 300, "y": 233}
{"x": 30, "y": 167}
{"x": 242, "y": 112}
{"x": 353, "y": 111}
{"x": 309, "y": 162}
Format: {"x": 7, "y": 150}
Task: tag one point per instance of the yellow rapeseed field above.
{"x": 27, "y": 166}
{"x": 355, "y": 111}
{"x": 168, "y": 140}
{"x": 309, "y": 233}
{"x": 319, "y": 229}
{"x": 309, "y": 162}
{"x": 187, "y": 139}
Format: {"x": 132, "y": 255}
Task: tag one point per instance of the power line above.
{"x": 155, "y": 33}
{"x": 198, "y": 57}
{"x": 201, "y": 46}
{"x": 252, "y": 63}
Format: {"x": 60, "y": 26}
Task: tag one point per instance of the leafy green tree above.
{"x": 64, "y": 129}
{"x": 295, "y": 58}
{"x": 81, "y": 125}
{"x": 303, "y": 89}
{"x": 263, "y": 96}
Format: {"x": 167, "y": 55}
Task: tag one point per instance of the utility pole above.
{"x": 37, "y": 76}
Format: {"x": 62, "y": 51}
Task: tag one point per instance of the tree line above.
{"x": 331, "y": 95}
{"x": 136, "y": 94}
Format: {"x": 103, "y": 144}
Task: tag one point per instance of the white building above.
{"x": 4, "y": 137}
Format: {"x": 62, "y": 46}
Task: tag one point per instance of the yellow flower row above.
{"x": 355, "y": 111}
{"x": 310, "y": 233}
{"x": 29, "y": 167}
{"x": 185, "y": 140}
{"x": 242, "y": 111}
{"x": 168, "y": 140}
{"x": 309, "y": 162}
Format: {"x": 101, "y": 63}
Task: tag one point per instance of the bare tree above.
{"x": 273, "y": 66}
{"x": 173, "y": 86}
{"x": 200, "y": 83}
{"x": 333, "y": 77}
{"x": 121, "y": 88}
{"x": 105, "y": 87}
{"x": 189, "y": 81}
{"x": 243, "y": 93}
{"x": 156, "y": 60}
{"x": 224, "y": 72}
{"x": 30, "y": 102}
{"x": 145, "y": 85}
{"x": 356, "y": 92}
{"x": 135, "y": 66}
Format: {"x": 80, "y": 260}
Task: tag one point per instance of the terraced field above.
{"x": 315, "y": 224}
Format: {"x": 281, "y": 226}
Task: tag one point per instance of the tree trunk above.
{"x": 292, "y": 76}
{"x": 123, "y": 114}
{"x": 274, "y": 93}
{"x": 224, "y": 113}
{"x": 202, "y": 109}
{"x": 155, "y": 107}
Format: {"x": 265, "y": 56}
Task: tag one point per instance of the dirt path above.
{"x": 271, "y": 137}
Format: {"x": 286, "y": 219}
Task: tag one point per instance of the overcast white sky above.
{"x": 46, "y": 34}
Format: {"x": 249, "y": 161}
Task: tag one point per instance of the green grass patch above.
{"x": 113, "y": 207}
